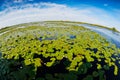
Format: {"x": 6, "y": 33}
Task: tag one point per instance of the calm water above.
{"x": 111, "y": 36}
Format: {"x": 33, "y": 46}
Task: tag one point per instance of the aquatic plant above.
{"x": 56, "y": 53}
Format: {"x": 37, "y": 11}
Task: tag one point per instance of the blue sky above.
{"x": 75, "y": 3}
{"x": 103, "y": 12}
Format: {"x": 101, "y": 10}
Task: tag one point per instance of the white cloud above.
{"x": 52, "y": 11}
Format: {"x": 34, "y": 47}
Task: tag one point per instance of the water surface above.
{"x": 110, "y": 35}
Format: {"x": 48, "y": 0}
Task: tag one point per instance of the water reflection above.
{"x": 111, "y": 36}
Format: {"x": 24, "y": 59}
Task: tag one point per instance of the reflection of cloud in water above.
{"x": 52, "y": 11}
{"x": 111, "y": 36}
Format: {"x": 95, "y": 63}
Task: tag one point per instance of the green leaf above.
{"x": 37, "y": 62}
{"x": 95, "y": 74}
{"x": 27, "y": 62}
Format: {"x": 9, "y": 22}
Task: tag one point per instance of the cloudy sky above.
{"x": 103, "y": 12}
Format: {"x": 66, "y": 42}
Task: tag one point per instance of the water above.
{"x": 110, "y": 35}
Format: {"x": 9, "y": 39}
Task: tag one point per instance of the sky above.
{"x": 102, "y": 12}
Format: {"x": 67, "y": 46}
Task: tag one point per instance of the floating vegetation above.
{"x": 36, "y": 52}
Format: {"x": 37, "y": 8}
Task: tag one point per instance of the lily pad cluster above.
{"x": 56, "y": 53}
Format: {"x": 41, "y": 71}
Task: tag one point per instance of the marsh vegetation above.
{"x": 57, "y": 51}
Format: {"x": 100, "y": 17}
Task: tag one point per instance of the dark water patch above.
{"x": 94, "y": 49}
{"x": 47, "y": 38}
{"x": 72, "y": 36}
